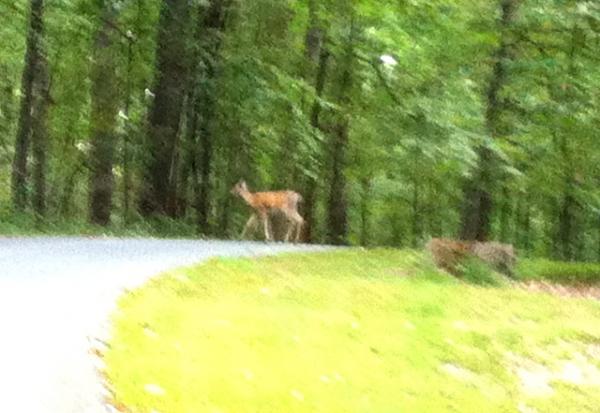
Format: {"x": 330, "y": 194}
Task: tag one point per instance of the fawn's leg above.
{"x": 250, "y": 224}
{"x": 299, "y": 225}
{"x": 291, "y": 226}
{"x": 265, "y": 219}
{"x": 296, "y": 222}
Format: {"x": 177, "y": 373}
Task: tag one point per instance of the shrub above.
{"x": 476, "y": 271}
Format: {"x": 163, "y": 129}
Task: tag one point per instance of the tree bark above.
{"x": 203, "y": 99}
{"x": 505, "y": 213}
{"x": 477, "y": 205}
{"x": 337, "y": 203}
{"x": 598, "y": 240}
{"x": 7, "y": 106}
{"x": 417, "y": 218}
{"x": 570, "y": 213}
{"x": 337, "y": 206}
{"x": 160, "y": 181}
{"x": 566, "y": 226}
{"x": 567, "y": 212}
{"x": 527, "y": 225}
{"x": 365, "y": 211}
{"x": 33, "y": 54}
{"x": 127, "y": 135}
{"x": 105, "y": 106}
{"x": 315, "y": 113}
{"x": 39, "y": 137}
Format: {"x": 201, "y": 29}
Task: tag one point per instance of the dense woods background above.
{"x": 396, "y": 120}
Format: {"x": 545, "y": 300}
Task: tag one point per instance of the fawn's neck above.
{"x": 248, "y": 197}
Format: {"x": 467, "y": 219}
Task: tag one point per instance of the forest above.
{"x": 396, "y": 121}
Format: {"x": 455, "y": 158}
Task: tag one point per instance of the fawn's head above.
{"x": 239, "y": 188}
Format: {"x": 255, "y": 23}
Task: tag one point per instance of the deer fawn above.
{"x": 264, "y": 202}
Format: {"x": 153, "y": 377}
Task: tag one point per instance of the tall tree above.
{"x": 159, "y": 190}
{"x": 209, "y": 38}
{"x": 569, "y": 210}
{"x": 39, "y": 136}
{"x": 103, "y": 118}
{"x": 316, "y": 55}
{"x": 315, "y": 123}
{"x": 33, "y": 56}
{"x": 337, "y": 203}
{"x": 478, "y": 191}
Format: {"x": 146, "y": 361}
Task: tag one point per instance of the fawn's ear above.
{"x": 243, "y": 185}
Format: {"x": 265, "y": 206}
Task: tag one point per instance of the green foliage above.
{"x": 413, "y": 124}
{"x": 558, "y": 271}
{"x": 24, "y": 224}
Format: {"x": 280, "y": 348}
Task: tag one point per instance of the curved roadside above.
{"x": 55, "y": 297}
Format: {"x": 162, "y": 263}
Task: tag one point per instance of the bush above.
{"x": 451, "y": 255}
{"x": 473, "y": 270}
{"x": 559, "y": 271}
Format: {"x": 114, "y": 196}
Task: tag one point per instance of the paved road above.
{"x": 55, "y": 296}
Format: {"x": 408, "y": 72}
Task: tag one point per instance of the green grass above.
{"x": 558, "y": 271}
{"x": 347, "y": 331}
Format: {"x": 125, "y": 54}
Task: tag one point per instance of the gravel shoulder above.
{"x": 55, "y": 298}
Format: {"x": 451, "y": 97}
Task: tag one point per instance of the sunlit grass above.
{"x": 349, "y": 331}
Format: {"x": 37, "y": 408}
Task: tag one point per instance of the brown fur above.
{"x": 264, "y": 203}
{"x": 500, "y": 257}
{"x": 448, "y": 254}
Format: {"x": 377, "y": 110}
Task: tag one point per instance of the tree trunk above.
{"x": 417, "y": 216}
{"x": 527, "y": 225}
{"x": 209, "y": 36}
{"x": 478, "y": 199}
{"x": 568, "y": 205}
{"x": 569, "y": 212}
{"x": 337, "y": 205}
{"x": 365, "y": 212}
{"x": 417, "y": 224}
{"x": 160, "y": 181}
{"x": 7, "y": 106}
{"x": 66, "y": 203}
{"x": 505, "y": 212}
{"x": 477, "y": 209}
{"x": 315, "y": 113}
{"x": 127, "y": 134}
{"x": 566, "y": 226}
{"x": 598, "y": 241}
{"x": 39, "y": 137}
{"x": 105, "y": 106}
{"x": 33, "y": 55}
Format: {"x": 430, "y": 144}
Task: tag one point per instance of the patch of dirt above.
{"x": 593, "y": 351}
{"x": 458, "y": 372}
{"x": 562, "y": 290}
{"x": 523, "y": 408}
{"x": 461, "y": 325}
{"x": 536, "y": 378}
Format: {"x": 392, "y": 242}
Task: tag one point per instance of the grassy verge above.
{"x": 350, "y": 331}
{"x": 558, "y": 271}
